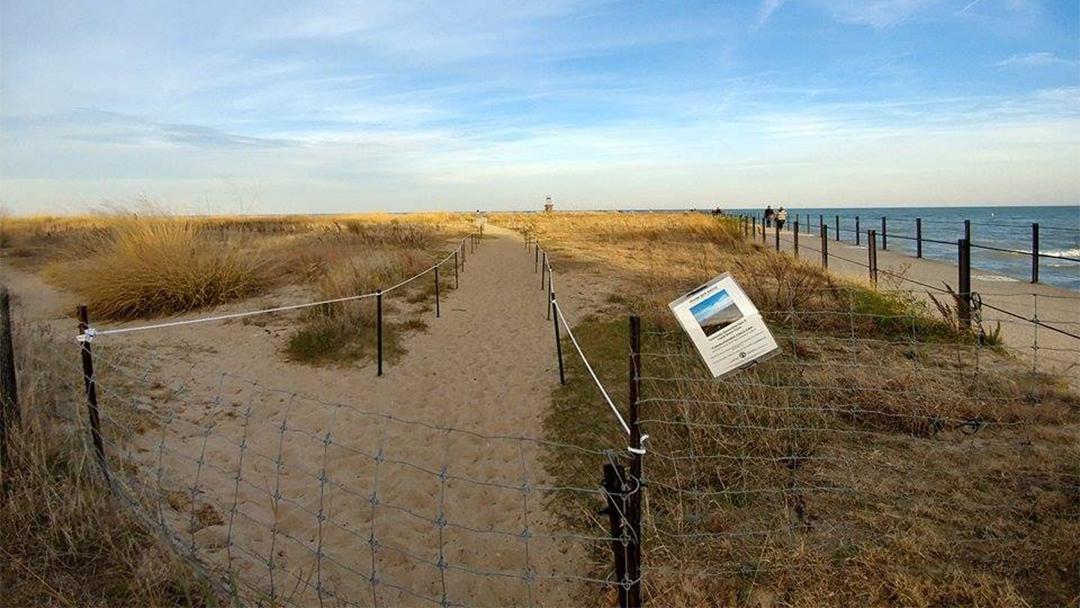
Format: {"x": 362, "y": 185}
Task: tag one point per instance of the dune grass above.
{"x": 953, "y": 465}
{"x": 65, "y": 540}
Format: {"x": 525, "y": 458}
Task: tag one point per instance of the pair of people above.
{"x": 780, "y": 217}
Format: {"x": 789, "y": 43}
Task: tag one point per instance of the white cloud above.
{"x": 768, "y": 7}
{"x": 1036, "y": 59}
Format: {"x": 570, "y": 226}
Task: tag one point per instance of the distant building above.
{"x": 549, "y": 205}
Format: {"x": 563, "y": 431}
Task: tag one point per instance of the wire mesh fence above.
{"x": 887, "y": 453}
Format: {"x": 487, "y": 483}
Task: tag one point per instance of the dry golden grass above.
{"x": 64, "y": 538}
{"x": 882, "y": 459}
{"x": 127, "y": 265}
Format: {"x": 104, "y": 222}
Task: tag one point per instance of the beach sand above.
{"x": 456, "y": 517}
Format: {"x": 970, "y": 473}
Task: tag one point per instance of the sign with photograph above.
{"x": 724, "y": 325}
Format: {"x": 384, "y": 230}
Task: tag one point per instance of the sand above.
{"x": 487, "y": 366}
{"x": 1040, "y": 347}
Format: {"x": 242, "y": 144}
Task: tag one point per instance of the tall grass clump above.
{"x": 346, "y": 330}
{"x": 137, "y": 267}
{"x": 65, "y": 540}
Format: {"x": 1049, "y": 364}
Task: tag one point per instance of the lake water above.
{"x": 1000, "y": 227}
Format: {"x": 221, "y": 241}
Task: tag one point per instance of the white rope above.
{"x": 603, "y": 391}
{"x": 91, "y": 333}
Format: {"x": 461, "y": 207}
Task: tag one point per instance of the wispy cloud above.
{"x": 1036, "y": 59}
{"x": 765, "y": 12}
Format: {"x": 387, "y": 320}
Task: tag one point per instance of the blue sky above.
{"x": 339, "y": 106}
{"x": 710, "y": 306}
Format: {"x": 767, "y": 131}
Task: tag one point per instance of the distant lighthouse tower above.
{"x": 549, "y": 205}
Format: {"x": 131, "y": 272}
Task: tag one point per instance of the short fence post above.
{"x": 808, "y": 229}
{"x": 795, "y": 238}
{"x": 824, "y": 246}
{"x": 613, "y": 491}
{"x": 884, "y": 244}
{"x": 837, "y": 235}
{"x": 554, "y": 314}
{"x": 9, "y": 394}
{"x": 963, "y": 307}
{"x": 967, "y": 230}
{"x": 764, "y": 231}
{"x": 437, "y": 309}
{"x": 633, "y": 510}
{"x": 777, "y": 236}
{"x": 463, "y": 256}
{"x": 821, "y": 225}
{"x": 858, "y": 234}
{"x": 456, "y": 278}
{"x": 378, "y": 329}
{"x": 753, "y": 227}
{"x": 543, "y": 268}
{"x": 1035, "y": 252}
{"x": 918, "y": 237}
{"x": 871, "y": 252}
{"x": 91, "y": 390}
{"x": 536, "y": 257}
{"x": 550, "y": 288}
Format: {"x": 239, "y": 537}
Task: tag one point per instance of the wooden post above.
{"x": 871, "y": 252}
{"x": 9, "y": 392}
{"x": 378, "y": 329}
{"x": 456, "y": 279}
{"x": 918, "y": 237}
{"x": 963, "y": 307}
{"x": 614, "y": 509}
{"x": 554, "y": 314}
{"x": 884, "y": 243}
{"x": 858, "y": 234}
{"x": 1035, "y": 252}
{"x": 90, "y": 383}
{"x": 824, "y": 246}
{"x": 795, "y": 238}
{"x": 437, "y": 308}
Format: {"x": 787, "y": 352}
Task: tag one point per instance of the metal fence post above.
{"x": 824, "y": 246}
{"x": 554, "y": 314}
{"x": 9, "y": 394}
{"x": 437, "y": 309}
{"x": 884, "y": 244}
{"x": 837, "y": 236}
{"x": 613, "y": 491}
{"x": 543, "y": 269}
{"x": 871, "y": 253}
{"x": 753, "y": 227}
{"x": 536, "y": 257}
{"x": 550, "y": 288}
{"x": 858, "y": 234}
{"x": 821, "y": 224}
{"x": 967, "y": 230}
{"x": 457, "y": 280}
{"x": 795, "y": 239}
{"x": 633, "y": 510}
{"x": 463, "y": 256}
{"x": 918, "y": 237}
{"x": 963, "y": 306}
{"x": 90, "y": 383}
{"x": 1035, "y": 252}
{"x": 777, "y": 236}
{"x": 378, "y": 329}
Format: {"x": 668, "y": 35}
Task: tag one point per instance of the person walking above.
{"x": 768, "y": 216}
{"x": 781, "y": 218}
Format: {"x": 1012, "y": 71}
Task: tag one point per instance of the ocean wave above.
{"x": 1069, "y": 253}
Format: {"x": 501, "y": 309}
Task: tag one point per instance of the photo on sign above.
{"x": 716, "y": 312}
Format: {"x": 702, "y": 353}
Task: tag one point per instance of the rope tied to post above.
{"x": 87, "y": 336}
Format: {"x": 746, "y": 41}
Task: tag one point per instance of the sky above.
{"x": 273, "y": 107}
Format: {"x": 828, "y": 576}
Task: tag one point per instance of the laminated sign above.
{"x": 724, "y": 325}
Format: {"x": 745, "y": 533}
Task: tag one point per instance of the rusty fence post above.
{"x": 90, "y": 384}
{"x": 9, "y": 391}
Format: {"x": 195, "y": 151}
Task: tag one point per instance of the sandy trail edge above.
{"x": 486, "y": 366}
{"x": 1056, "y": 306}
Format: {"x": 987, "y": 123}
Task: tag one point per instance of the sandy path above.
{"x": 1055, "y": 306}
{"x": 440, "y": 497}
